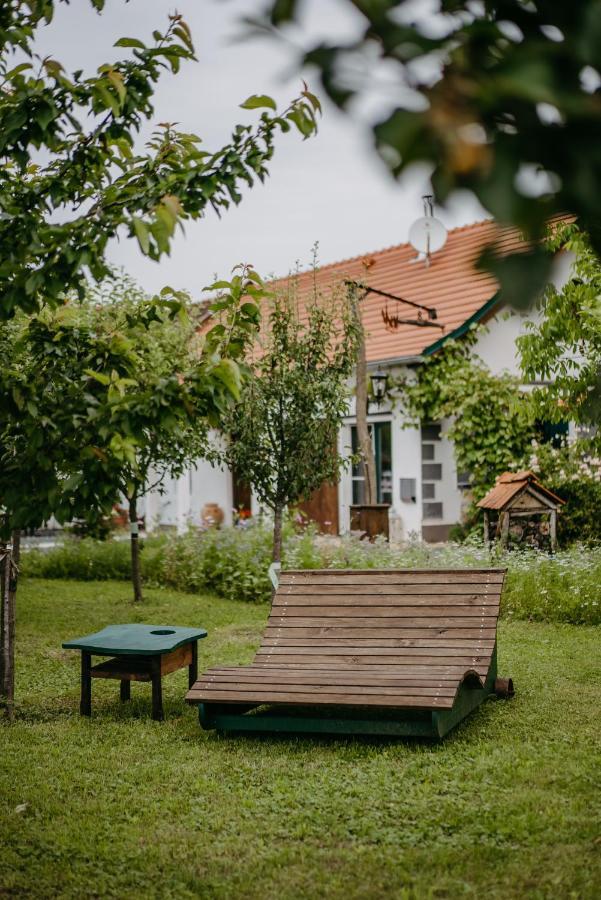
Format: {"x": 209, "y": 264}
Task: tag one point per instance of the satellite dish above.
{"x": 427, "y": 235}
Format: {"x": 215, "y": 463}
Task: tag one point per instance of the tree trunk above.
{"x": 366, "y": 449}
{"x": 277, "y": 534}
{"x": 9, "y": 590}
{"x": 276, "y": 556}
{"x": 136, "y": 576}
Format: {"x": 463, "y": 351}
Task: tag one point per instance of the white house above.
{"x": 416, "y": 470}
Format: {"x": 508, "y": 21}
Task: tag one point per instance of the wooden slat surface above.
{"x": 317, "y": 698}
{"x": 386, "y": 690}
{"x": 382, "y": 598}
{"x": 371, "y": 652}
{"x": 316, "y": 659}
{"x": 359, "y": 632}
{"x": 378, "y": 638}
{"x": 274, "y": 675}
{"x": 373, "y": 620}
{"x": 325, "y": 591}
{"x": 409, "y": 668}
{"x": 393, "y": 576}
{"x": 382, "y": 612}
{"x": 361, "y": 643}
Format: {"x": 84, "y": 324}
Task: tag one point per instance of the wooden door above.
{"x": 241, "y": 496}
{"x": 322, "y": 508}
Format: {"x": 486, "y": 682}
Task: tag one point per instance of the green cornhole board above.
{"x": 139, "y": 653}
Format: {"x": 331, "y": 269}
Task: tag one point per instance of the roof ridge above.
{"x": 370, "y": 253}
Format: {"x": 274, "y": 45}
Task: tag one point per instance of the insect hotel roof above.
{"x": 520, "y": 492}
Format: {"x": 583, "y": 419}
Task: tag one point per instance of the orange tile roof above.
{"x": 450, "y": 284}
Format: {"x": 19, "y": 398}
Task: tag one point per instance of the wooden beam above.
{"x": 504, "y": 523}
{"x": 553, "y": 530}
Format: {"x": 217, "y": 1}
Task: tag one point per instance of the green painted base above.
{"x": 402, "y": 723}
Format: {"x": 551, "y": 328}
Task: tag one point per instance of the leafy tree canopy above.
{"x": 71, "y": 175}
{"x": 486, "y": 92}
{"x": 563, "y": 347}
{"x": 103, "y": 397}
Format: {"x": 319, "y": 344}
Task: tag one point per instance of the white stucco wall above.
{"x": 447, "y": 491}
{"x": 406, "y": 463}
{"x": 181, "y": 501}
{"x": 497, "y": 345}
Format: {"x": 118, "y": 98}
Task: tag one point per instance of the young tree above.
{"x": 96, "y": 397}
{"x": 123, "y": 390}
{"x": 499, "y": 97}
{"x": 284, "y": 430}
{"x": 563, "y": 348}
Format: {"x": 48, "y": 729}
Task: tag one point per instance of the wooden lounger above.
{"x": 407, "y": 652}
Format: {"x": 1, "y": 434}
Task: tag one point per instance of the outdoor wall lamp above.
{"x": 379, "y": 385}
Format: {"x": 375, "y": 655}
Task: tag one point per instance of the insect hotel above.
{"x": 519, "y": 496}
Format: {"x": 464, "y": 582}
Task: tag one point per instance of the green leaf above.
{"x": 107, "y": 98}
{"x": 98, "y": 376}
{"x": 116, "y": 79}
{"x": 218, "y": 286}
{"x": 259, "y": 101}
{"x": 228, "y": 372}
{"x": 313, "y": 100}
{"x": 130, "y": 42}
{"x": 142, "y": 234}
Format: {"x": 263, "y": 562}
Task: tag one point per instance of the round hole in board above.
{"x": 163, "y": 631}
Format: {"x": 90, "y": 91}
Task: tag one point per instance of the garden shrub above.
{"x": 87, "y": 559}
{"x": 233, "y": 563}
{"x": 573, "y": 471}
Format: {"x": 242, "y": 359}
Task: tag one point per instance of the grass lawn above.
{"x": 119, "y": 806}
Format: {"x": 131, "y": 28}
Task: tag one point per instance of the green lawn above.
{"x": 119, "y": 806}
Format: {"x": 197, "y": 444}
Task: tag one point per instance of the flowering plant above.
{"x": 573, "y": 460}
{"x": 572, "y": 469}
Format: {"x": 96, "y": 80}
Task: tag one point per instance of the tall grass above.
{"x": 233, "y": 563}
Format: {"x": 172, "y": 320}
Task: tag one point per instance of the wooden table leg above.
{"x": 157, "y": 690}
{"x": 193, "y": 667}
{"x": 124, "y": 690}
{"x": 85, "y": 706}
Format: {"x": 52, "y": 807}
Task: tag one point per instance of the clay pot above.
{"x": 212, "y": 515}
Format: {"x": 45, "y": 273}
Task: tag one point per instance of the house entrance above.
{"x": 381, "y": 436}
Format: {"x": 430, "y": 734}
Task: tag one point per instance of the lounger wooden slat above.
{"x": 362, "y": 643}
{"x": 387, "y": 612}
{"x": 359, "y": 632}
{"x": 371, "y": 621}
{"x": 427, "y": 589}
{"x": 381, "y": 599}
{"x": 389, "y": 576}
{"x": 282, "y": 677}
{"x": 419, "y": 645}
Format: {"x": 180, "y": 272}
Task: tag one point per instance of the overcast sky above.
{"x": 331, "y": 189}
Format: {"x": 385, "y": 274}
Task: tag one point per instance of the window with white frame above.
{"x": 381, "y": 436}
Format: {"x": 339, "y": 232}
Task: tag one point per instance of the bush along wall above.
{"x": 233, "y": 563}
